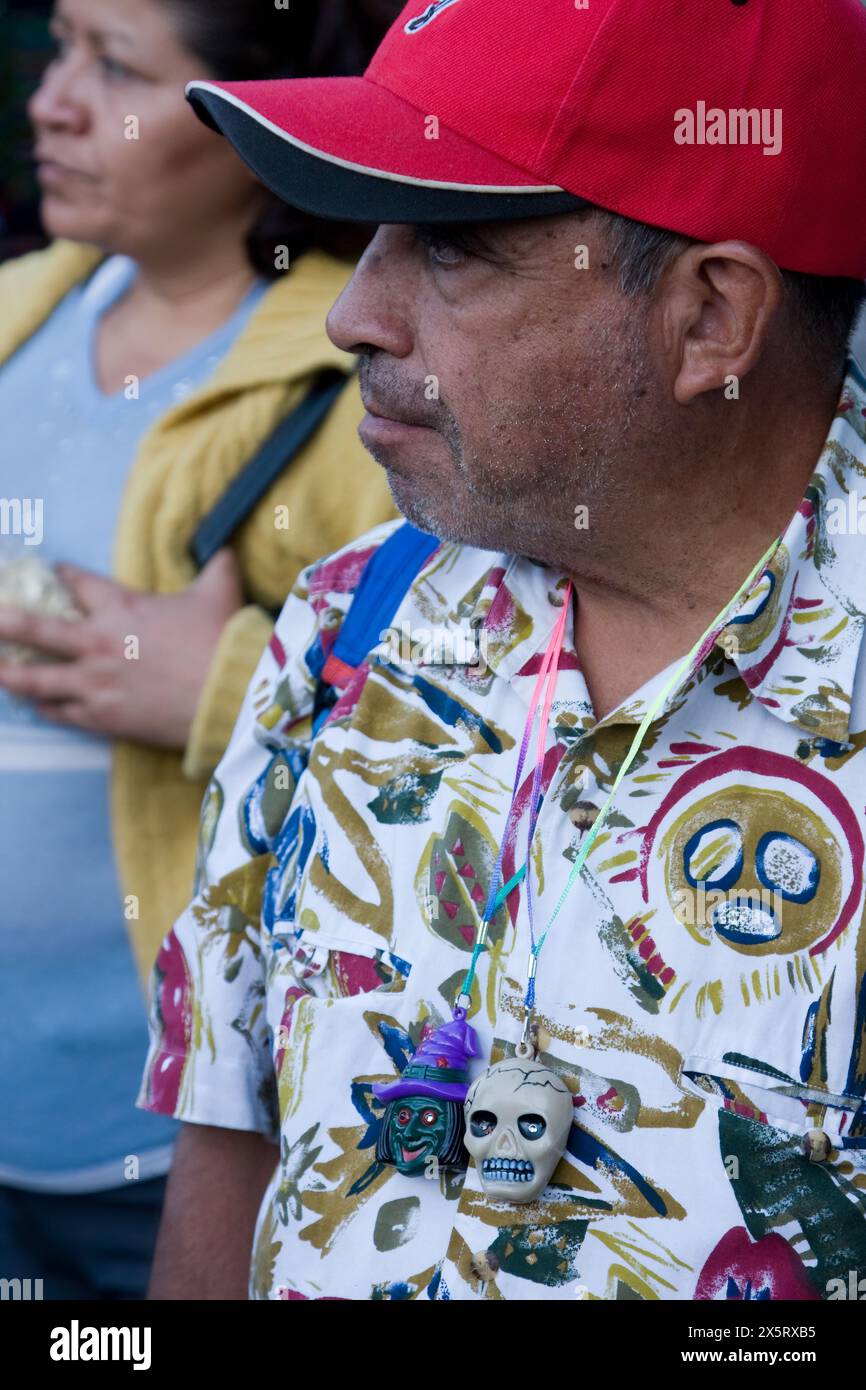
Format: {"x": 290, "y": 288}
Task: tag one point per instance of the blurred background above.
{"x": 24, "y": 50}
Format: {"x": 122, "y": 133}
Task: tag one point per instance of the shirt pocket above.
{"x": 338, "y": 962}
{"x": 347, "y": 1014}
{"x": 791, "y": 1147}
{"x": 344, "y": 1013}
{"x": 789, "y": 1060}
{"x": 760, "y": 1092}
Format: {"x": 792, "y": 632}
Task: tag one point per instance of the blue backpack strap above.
{"x": 383, "y": 585}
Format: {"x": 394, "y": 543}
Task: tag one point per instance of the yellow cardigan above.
{"x": 333, "y": 491}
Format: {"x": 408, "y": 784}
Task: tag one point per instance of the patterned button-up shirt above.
{"x": 702, "y": 994}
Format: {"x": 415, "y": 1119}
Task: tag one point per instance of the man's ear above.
{"x": 716, "y": 303}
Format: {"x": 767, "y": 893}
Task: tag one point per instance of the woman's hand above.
{"x": 134, "y": 665}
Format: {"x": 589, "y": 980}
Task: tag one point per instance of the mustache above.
{"x": 384, "y": 392}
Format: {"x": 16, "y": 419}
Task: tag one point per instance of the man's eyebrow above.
{"x": 446, "y": 231}
{"x": 476, "y": 238}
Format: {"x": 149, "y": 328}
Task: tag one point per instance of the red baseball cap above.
{"x": 713, "y": 118}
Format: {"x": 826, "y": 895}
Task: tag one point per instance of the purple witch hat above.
{"x": 440, "y": 1066}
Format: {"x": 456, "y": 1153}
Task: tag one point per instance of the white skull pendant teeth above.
{"x": 507, "y": 1170}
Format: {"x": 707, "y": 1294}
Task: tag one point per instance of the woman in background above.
{"x": 144, "y": 358}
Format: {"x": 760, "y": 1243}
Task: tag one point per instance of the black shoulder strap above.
{"x": 247, "y": 489}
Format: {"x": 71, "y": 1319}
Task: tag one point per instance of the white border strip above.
{"x": 101, "y": 1177}
{"x": 363, "y": 168}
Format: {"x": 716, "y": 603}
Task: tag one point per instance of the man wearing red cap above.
{"x": 604, "y": 355}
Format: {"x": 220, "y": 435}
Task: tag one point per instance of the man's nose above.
{"x": 371, "y": 313}
{"x": 58, "y": 102}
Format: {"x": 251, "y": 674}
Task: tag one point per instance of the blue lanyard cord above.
{"x": 497, "y": 895}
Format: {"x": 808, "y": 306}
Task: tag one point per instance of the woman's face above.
{"x": 122, "y": 160}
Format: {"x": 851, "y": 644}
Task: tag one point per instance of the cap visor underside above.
{"x": 321, "y": 182}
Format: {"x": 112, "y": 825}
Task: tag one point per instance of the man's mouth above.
{"x": 379, "y": 413}
{"x": 381, "y": 429}
{"x": 379, "y": 416}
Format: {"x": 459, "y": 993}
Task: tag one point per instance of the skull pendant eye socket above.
{"x": 482, "y": 1123}
{"x": 532, "y": 1126}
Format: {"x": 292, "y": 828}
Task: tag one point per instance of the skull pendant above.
{"x": 518, "y": 1117}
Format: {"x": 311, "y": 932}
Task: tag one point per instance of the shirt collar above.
{"x": 510, "y": 604}
{"x": 796, "y": 636}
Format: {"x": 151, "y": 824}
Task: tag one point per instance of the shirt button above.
{"x": 484, "y": 1265}
{"x": 817, "y": 1146}
{"x": 583, "y": 814}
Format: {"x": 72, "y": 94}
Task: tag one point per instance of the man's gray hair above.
{"x": 823, "y": 309}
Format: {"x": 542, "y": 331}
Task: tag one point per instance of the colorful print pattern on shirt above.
{"x": 701, "y": 995}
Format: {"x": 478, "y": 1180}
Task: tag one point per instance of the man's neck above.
{"x": 651, "y": 595}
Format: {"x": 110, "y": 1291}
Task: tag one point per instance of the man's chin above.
{"x": 433, "y": 499}
{"x": 422, "y": 509}
{"x": 459, "y": 520}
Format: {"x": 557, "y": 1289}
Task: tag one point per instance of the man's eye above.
{"x": 440, "y": 250}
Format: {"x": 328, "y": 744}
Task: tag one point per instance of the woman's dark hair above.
{"x": 240, "y": 40}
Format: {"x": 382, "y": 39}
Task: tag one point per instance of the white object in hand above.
{"x": 29, "y": 583}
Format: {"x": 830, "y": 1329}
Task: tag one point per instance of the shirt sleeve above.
{"x": 209, "y": 1059}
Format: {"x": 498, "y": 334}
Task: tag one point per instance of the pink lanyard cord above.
{"x": 545, "y": 685}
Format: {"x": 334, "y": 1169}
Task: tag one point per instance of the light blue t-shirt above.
{"x": 73, "y": 1033}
